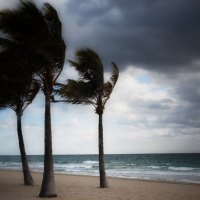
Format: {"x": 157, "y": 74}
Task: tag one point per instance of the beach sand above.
{"x": 71, "y": 187}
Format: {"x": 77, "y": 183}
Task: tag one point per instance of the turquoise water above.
{"x": 171, "y": 167}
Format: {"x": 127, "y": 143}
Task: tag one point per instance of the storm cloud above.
{"x": 155, "y": 34}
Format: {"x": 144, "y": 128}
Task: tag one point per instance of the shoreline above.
{"x": 128, "y": 179}
{"x": 112, "y": 177}
{"x": 81, "y": 187}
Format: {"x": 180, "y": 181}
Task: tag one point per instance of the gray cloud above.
{"x": 186, "y": 91}
{"x": 156, "y": 34}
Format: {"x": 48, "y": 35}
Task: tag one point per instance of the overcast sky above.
{"x": 155, "y": 107}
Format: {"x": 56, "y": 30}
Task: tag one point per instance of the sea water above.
{"x": 170, "y": 167}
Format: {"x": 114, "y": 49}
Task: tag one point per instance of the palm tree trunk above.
{"x": 103, "y": 179}
{"x": 28, "y": 180}
{"x": 48, "y": 188}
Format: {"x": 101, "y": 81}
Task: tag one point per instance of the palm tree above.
{"x": 18, "y": 96}
{"x": 48, "y": 78}
{"x": 91, "y": 89}
{"x": 17, "y": 92}
{"x": 39, "y": 36}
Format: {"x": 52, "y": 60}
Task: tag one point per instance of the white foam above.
{"x": 154, "y": 167}
{"x": 90, "y": 162}
{"x": 182, "y": 168}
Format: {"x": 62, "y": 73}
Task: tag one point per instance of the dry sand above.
{"x": 86, "y": 188}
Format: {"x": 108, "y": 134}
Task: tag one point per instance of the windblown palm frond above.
{"x": 77, "y": 92}
{"x": 16, "y": 94}
{"x": 52, "y": 19}
{"x": 35, "y": 30}
{"x": 115, "y": 74}
{"x": 89, "y": 66}
{"x": 18, "y": 61}
{"x": 55, "y": 46}
{"x": 90, "y": 88}
{"x": 24, "y": 22}
{"x": 6, "y": 43}
{"x": 109, "y": 85}
{"x": 30, "y": 93}
{"x": 26, "y": 27}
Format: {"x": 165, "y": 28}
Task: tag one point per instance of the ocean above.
{"x": 165, "y": 167}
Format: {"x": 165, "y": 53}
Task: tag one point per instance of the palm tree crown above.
{"x": 90, "y": 88}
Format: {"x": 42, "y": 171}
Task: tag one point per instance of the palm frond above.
{"x": 15, "y": 94}
{"x": 89, "y": 66}
{"x": 53, "y": 21}
{"x": 109, "y": 85}
{"x": 6, "y": 43}
{"x": 107, "y": 89}
{"x": 90, "y": 88}
{"x": 24, "y": 22}
{"x": 17, "y": 62}
{"x": 30, "y": 93}
{"x": 55, "y": 43}
{"x": 115, "y": 74}
{"x": 77, "y": 92}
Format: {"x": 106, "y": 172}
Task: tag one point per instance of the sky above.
{"x": 154, "y": 107}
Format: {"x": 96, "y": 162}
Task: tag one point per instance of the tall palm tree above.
{"x": 48, "y": 78}
{"x": 17, "y": 92}
{"x": 38, "y": 34}
{"x": 91, "y": 89}
{"x": 18, "y": 96}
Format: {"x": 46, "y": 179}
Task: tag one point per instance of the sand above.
{"x": 71, "y": 187}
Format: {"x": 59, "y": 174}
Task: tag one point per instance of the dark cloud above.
{"x": 156, "y": 34}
